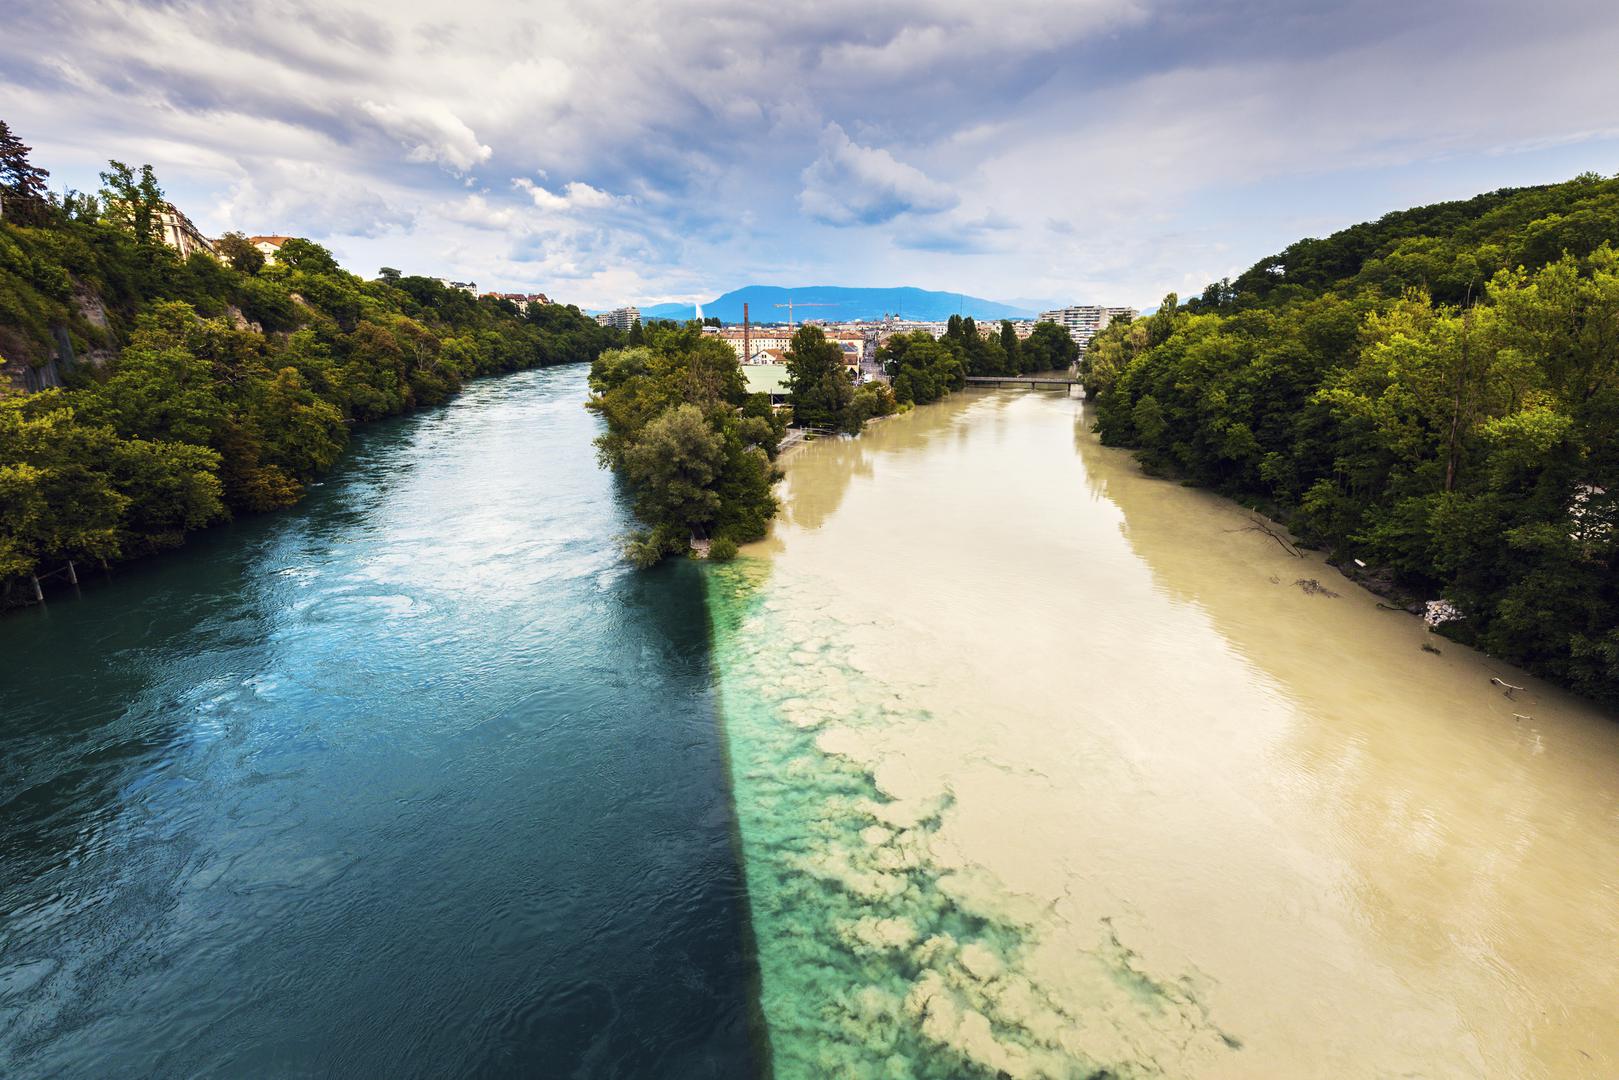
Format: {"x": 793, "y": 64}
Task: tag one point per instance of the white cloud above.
{"x": 575, "y": 195}
{"x": 301, "y": 198}
{"x": 850, "y": 184}
{"x": 480, "y": 213}
{"x": 430, "y": 132}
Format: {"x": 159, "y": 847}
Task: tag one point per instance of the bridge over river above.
{"x": 1033, "y": 382}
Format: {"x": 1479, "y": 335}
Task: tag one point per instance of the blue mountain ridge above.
{"x": 839, "y": 303}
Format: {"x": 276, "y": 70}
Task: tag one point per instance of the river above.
{"x": 414, "y": 779}
{"x": 1049, "y": 769}
{"x": 1035, "y": 767}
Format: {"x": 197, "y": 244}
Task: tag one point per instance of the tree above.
{"x": 306, "y": 256}
{"x": 135, "y": 202}
{"x": 673, "y": 463}
{"x": 23, "y": 198}
{"x": 388, "y": 274}
{"x": 819, "y": 387}
{"x": 1012, "y": 347}
{"x": 921, "y": 369}
{"x": 160, "y": 387}
{"x": 241, "y": 254}
{"x": 1049, "y": 348}
{"x": 1161, "y": 323}
{"x": 870, "y": 400}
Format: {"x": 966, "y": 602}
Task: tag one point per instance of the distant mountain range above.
{"x": 839, "y": 303}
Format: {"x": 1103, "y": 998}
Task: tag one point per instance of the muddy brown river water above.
{"x": 1047, "y": 768}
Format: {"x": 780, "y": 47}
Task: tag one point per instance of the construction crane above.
{"x": 789, "y": 306}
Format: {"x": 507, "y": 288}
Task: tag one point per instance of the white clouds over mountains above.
{"x": 663, "y": 150}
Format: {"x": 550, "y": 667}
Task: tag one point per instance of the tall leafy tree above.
{"x": 133, "y": 199}
{"x": 819, "y": 387}
{"x": 241, "y": 254}
{"x": 922, "y": 370}
{"x": 1049, "y": 348}
{"x": 1012, "y": 347}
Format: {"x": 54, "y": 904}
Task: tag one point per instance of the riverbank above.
{"x": 1044, "y": 767}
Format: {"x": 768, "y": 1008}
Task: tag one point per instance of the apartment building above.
{"x": 1083, "y": 321}
{"x": 620, "y": 318}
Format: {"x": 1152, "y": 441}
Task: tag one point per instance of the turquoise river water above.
{"x": 415, "y": 779}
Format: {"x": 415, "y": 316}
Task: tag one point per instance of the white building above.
{"x": 468, "y": 287}
{"x": 620, "y": 318}
{"x": 1083, "y": 321}
{"x": 178, "y": 232}
{"x": 268, "y": 246}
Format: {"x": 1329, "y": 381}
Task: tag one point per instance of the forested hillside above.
{"x": 1435, "y": 394}
{"x": 180, "y": 392}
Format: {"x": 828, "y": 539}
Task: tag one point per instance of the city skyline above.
{"x": 1035, "y": 154}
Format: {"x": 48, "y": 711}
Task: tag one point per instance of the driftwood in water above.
{"x": 1427, "y": 647}
{"x": 1255, "y": 525}
{"x": 1312, "y": 587}
{"x": 1508, "y": 688}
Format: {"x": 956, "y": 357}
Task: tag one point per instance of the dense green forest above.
{"x": 180, "y": 392}
{"x": 1434, "y": 394}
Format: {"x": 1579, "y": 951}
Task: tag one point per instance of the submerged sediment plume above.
{"x": 1041, "y": 769}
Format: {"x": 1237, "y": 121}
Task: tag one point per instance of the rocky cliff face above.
{"x": 30, "y": 364}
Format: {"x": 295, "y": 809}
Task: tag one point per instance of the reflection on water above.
{"x": 414, "y": 779}
{"x": 1043, "y": 767}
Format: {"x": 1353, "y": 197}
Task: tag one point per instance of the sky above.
{"x": 1086, "y": 151}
